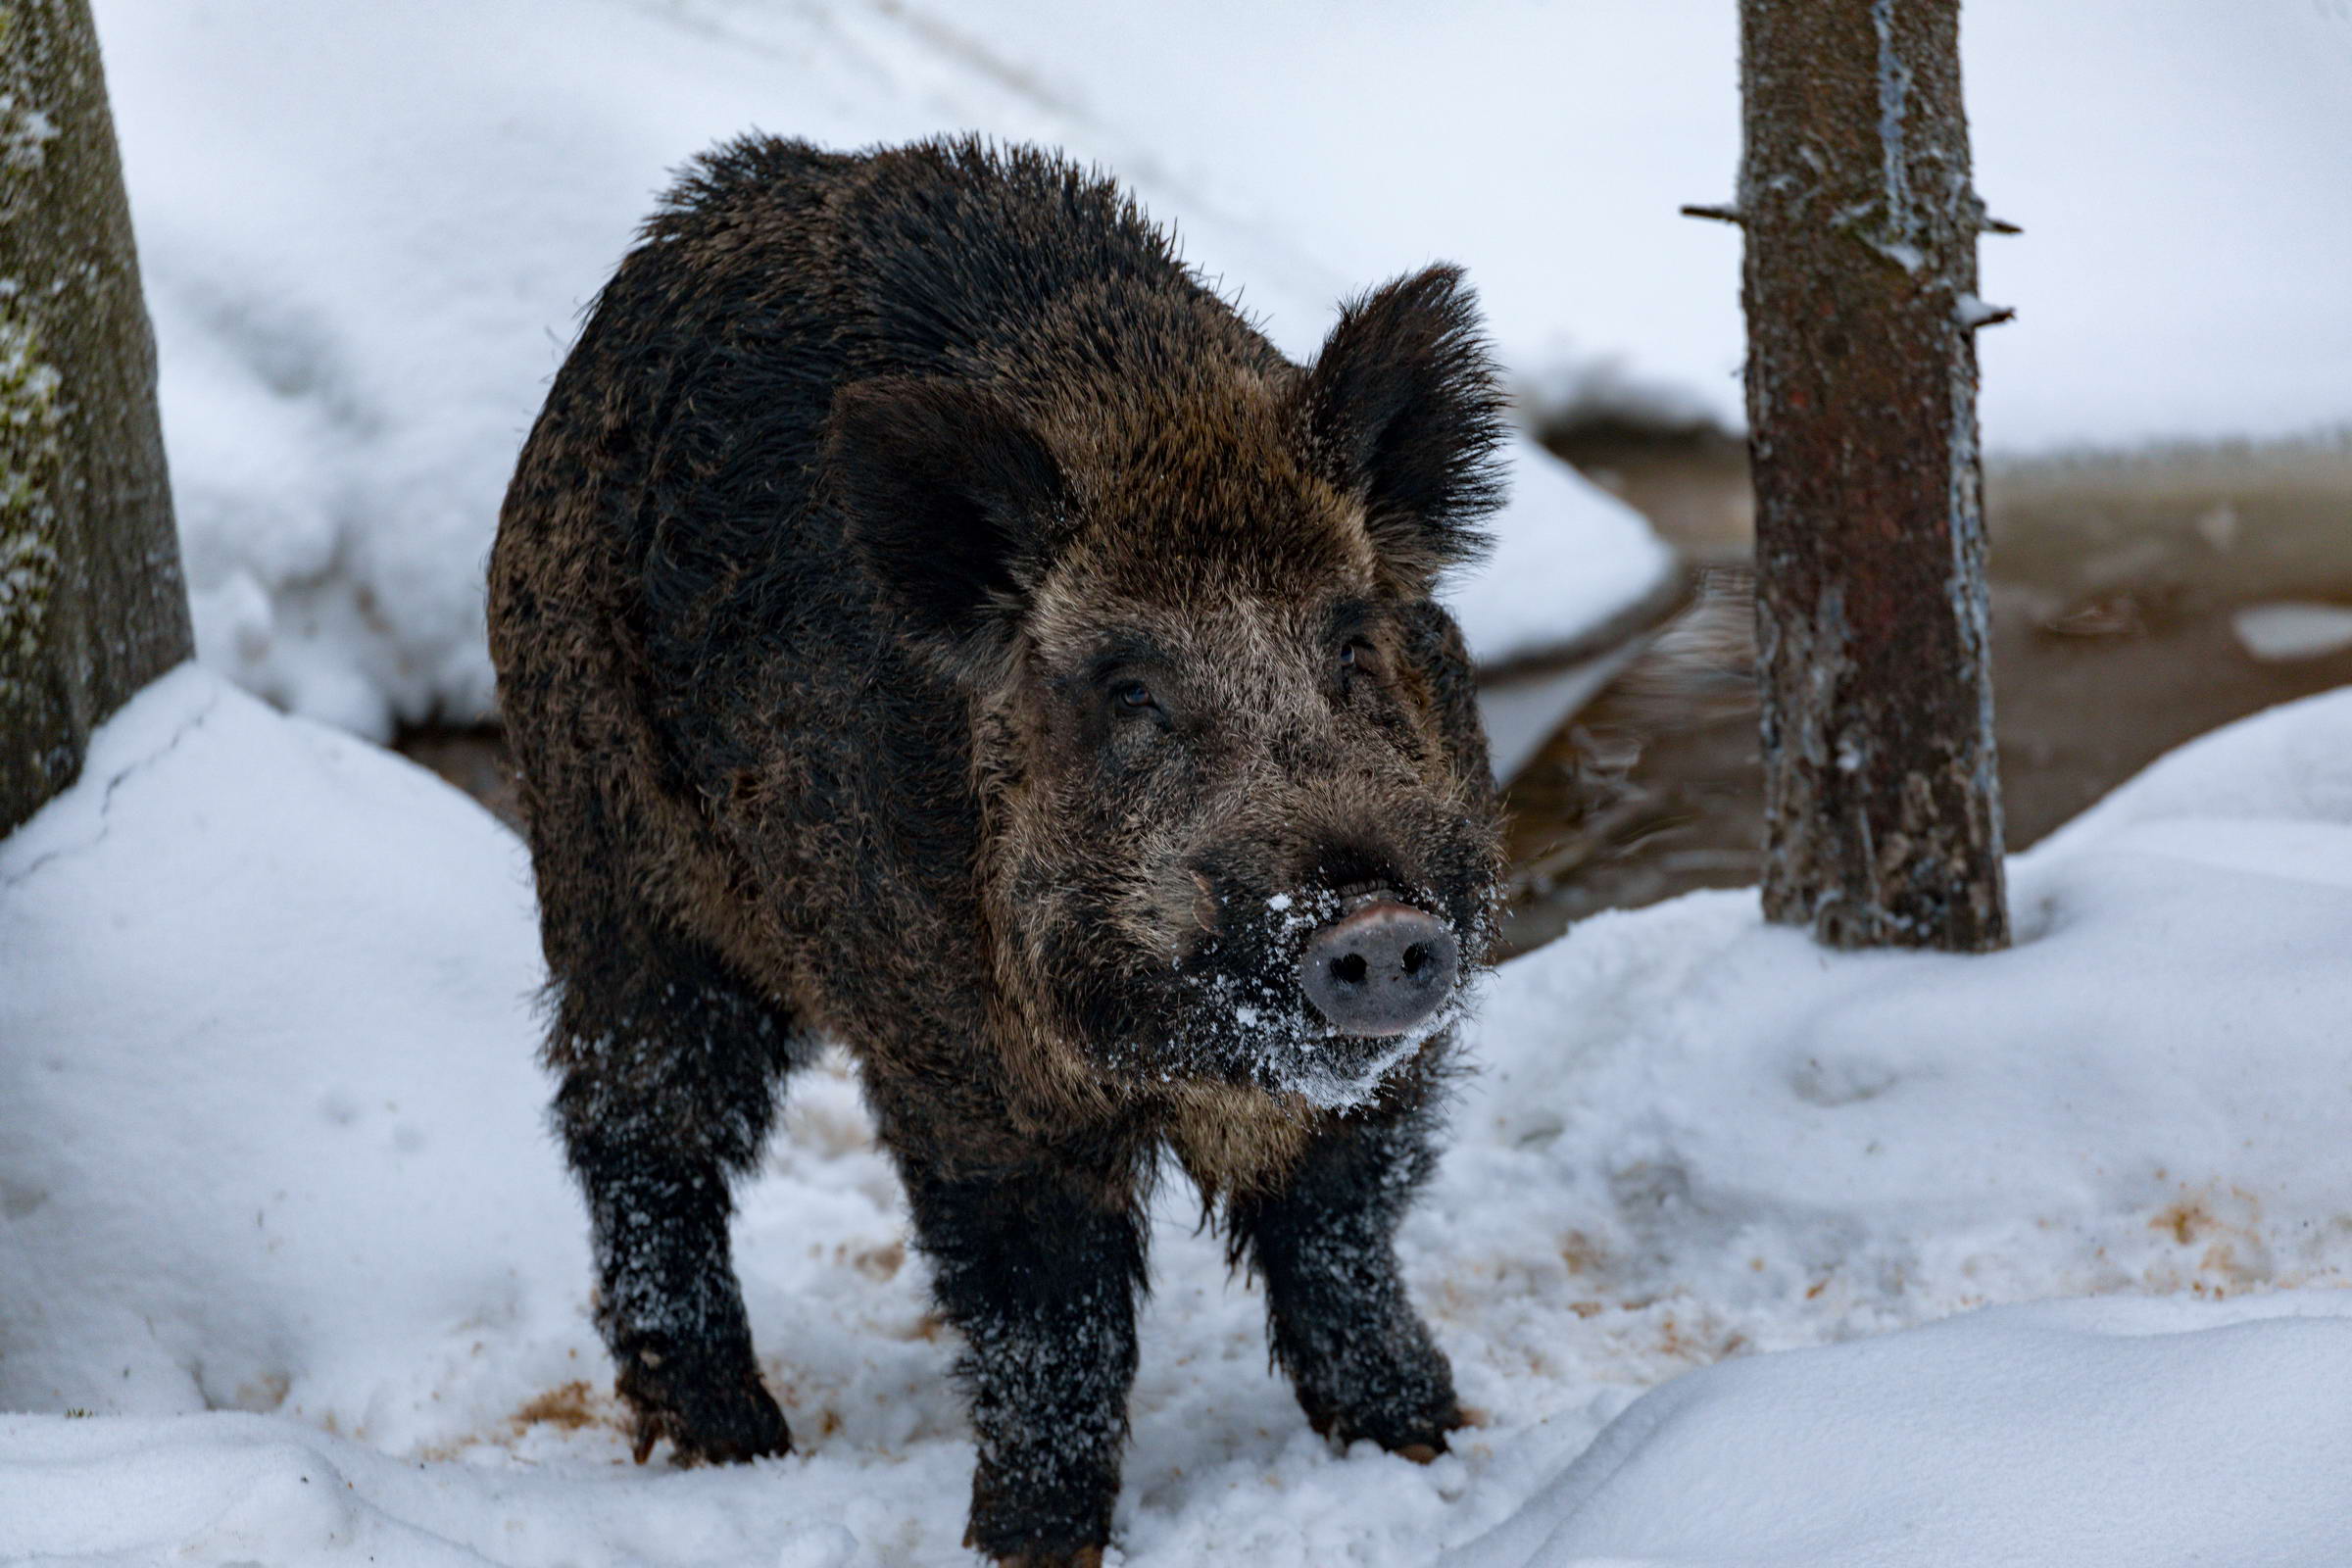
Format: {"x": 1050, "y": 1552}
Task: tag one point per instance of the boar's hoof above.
{"x": 1420, "y": 1439}
{"x": 724, "y": 1419}
{"x": 1073, "y": 1557}
{"x": 1380, "y": 970}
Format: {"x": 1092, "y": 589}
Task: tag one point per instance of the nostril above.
{"x": 1380, "y": 969}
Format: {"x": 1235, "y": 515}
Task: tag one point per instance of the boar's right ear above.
{"x": 948, "y": 496}
{"x": 1404, "y": 411}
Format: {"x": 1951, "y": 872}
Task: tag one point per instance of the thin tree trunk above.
{"x": 92, "y": 604}
{"x": 1882, "y": 807}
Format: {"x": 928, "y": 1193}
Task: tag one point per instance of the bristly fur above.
{"x": 927, "y": 617}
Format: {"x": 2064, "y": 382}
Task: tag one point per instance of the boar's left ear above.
{"x": 951, "y": 498}
{"x": 1404, "y": 411}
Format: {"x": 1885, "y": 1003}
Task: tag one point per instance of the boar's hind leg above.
{"x": 670, "y": 1072}
{"x": 1039, "y": 1267}
{"x": 1359, "y": 1357}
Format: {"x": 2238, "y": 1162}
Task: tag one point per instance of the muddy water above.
{"x": 2130, "y": 597}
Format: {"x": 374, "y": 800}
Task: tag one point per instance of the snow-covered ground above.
{"x": 2087, "y": 1434}
{"x": 367, "y": 231}
{"x": 278, "y": 1211}
{"x": 289, "y": 1271}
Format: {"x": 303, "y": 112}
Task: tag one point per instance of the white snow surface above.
{"x": 279, "y": 1211}
{"x": 369, "y": 233}
{"x": 2106, "y": 1434}
{"x": 2279, "y": 633}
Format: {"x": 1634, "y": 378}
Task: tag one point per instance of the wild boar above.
{"x": 929, "y": 618}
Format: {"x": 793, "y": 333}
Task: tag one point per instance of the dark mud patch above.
{"x": 2118, "y": 587}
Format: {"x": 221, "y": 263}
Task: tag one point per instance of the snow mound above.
{"x": 364, "y": 271}
{"x": 1568, "y": 557}
{"x": 272, "y": 1137}
{"x": 276, "y": 1203}
{"x": 2145, "y": 1094}
{"x": 2079, "y": 1435}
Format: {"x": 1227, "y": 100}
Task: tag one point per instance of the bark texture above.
{"x": 92, "y": 602}
{"x": 1882, "y": 807}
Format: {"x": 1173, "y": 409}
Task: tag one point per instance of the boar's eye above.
{"x": 1133, "y": 699}
{"x": 1357, "y": 657}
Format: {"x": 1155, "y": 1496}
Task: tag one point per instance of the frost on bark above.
{"x": 1883, "y": 807}
{"x": 92, "y": 605}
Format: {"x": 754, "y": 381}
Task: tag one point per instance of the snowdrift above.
{"x": 277, "y": 1210}
{"x": 2107, "y": 1434}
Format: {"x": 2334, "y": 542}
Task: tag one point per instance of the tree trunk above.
{"x": 1882, "y": 807}
{"x": 92, "y": 604}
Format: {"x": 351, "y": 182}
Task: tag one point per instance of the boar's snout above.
{"x": 1381, "y": 969}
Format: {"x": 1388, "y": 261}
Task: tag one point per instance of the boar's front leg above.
{"x": 1358, "y": 1355}
{"x": 1037, "y": 1263}
{"x": 668, "y": 1090}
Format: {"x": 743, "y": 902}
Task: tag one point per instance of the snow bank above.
{"x": 364, "y": 268}
{"x": 1568, "y": 556}
{"x": 272, "y": 1137}
{"x": 276, "y": 1204}
{"x": 2084, "y": 1434}
{"x": 2145, "y": 1094}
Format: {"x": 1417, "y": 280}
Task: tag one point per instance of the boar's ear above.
{"x": 1404, "y": 412}
{"x": 950, "y": 496}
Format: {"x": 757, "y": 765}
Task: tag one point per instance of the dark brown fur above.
{"x": 875, "y": 492}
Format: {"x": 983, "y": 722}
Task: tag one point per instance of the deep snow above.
{"x": 2107, "y": 1434}
{"x": 276, "y": 1203}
